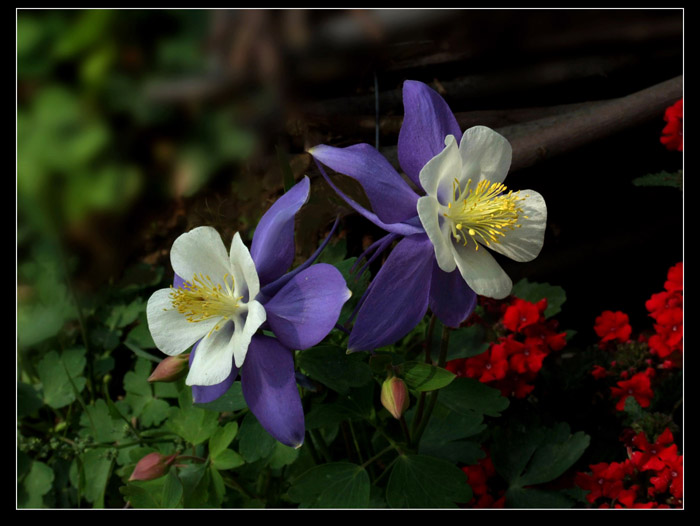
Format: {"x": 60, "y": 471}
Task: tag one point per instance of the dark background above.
{"x": 134, "y": 126}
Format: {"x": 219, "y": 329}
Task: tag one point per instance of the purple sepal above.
{"x": 398, "y": 298}
{"x": 272, "y": 248}
{"x": 208, "y": 393}
{"x": 306, "y": 309}
{"x": 427, "y": 121}
{"x": 403, "y": 229}
{"x": 390, "y": 196}
{"x": 270, "y": 390}
{"x": 451, "y": 299}
{"x": 178, "y": 282}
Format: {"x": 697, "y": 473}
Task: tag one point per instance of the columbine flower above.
{"x": 220, "y": 300}
{"x": 438, "y": 261}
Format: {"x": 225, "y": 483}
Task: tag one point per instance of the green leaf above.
{"x": 552, "y": 459}
{"x": 144, "y": 493}
{"x": 283, "y": 456}
{"x": 97, "y": 466}
{"x": 330, "y": 365}
{"x": 125, "y": 314}
{"x": 525, "y": 455}
{"x": 172, "y": 490}
{"x": 445, "y": 433}
{"x": 227, "y": 459}
{"x": 674, "y": 180}
{"x": 28, "y": 401}
{"x": 217, "y": 484}
{"x": 534, "y": 292}
{"x": 196, "y": 481}
{"x": 332, "y": 485}
{"x": 139, "y": 395}
{"x": 222, "y": 437}
{"x": 254, "y": 442}
{"x": 419, "y": 481}
{"x": 421, "y": 376}
{"x": 36, "y": 484}
{"x": 517, "y": 497}
{"x": 465, "y": 395}
{"x": 466, "y": 342}
{"x": 231, "y": 401}
{"x": 54, "y": 371}
{"x": 191, "y": 423}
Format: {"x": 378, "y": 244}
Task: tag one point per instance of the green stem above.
{"x": 418, "y": 416}
{"x": 377, "y": 456}
{"x": 354, "y": 439}
{"x": 425, "y": 418}
{"x": 316, "y": 436}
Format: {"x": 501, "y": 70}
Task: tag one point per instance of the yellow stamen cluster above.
{"x": 203, "y": 299}
{"x": 483, "y": 213}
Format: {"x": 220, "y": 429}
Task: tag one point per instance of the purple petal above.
{"x": 272, "y": 248}
{"x": 390, "y": 196}
{"x": 427, "y": 121}
{"x": 208, "y": 393}
{"x": 178, "y": 282}
{"x": 305, "y": 310}
{"x": 270, "y": 390}
{"x": 451, "y": 299}
{"x": 398, "y": 299}
{"x": 403, "y": 229}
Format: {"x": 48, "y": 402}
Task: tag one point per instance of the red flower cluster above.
{"x": 613, "y": 327}
{"x": 639, "y": 387}
{"x": 511, "y": 363}
{"x": 666, "y": 308}
{"x": 478, "y": 476}
{"x": 672, "y": 134}
{"x": 651, "y": 477}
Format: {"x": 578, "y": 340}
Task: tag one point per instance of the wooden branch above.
{"x": 537, "y": 140}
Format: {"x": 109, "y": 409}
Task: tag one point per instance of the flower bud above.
{"x": 170, "y": 368}
{"x": 394, "y": 396}
{"x": 152, "y": 466}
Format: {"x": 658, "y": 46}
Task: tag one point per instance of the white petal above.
{"x": 213, "y": 360}
{"x": 429, "y": 214}
{"x": 171, "y": 332}
{"x": 245, "y": 329}
{"x": 200, "y": 251}
{"x": 481, "y": 271}
{"x": 438, "y": 174}
{"x": 525, "y": 243}
{"x": 247, "y": 283}
{"x": 485, "y": 154}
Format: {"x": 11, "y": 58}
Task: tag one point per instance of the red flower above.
{"x": 669, "y": 333}
{"x": 613, "y": 326}
{"x": 675, "y": 278}
{"x": 521, "y": 314}
{"x": 662, "y": 301}
{"x": 488, "y": 366}
{"x": 639, "y": 387}
{"x": 672, "y": 134}
{"x": 647, "y": 453}
{"x": 599, "y": 372}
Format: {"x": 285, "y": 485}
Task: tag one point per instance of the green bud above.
{"x": 170, "y": 368}
{"x": 394, "y": 396}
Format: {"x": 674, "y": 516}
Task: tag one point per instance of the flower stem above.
{"x": 418, "y": 416}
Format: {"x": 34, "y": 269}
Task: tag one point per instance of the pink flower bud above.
{"x": 170, "y": 369}
{"x": 152, "y": 466}
{"x": 394, "y": 396}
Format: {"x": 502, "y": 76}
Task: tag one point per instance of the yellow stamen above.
{"x": 483, "y": 213}
{"x": 203, "y": 299}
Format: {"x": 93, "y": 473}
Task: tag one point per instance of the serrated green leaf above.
{"x": 420, "y": 376}
{"x": 466, "y": 395}
{"x": 99, "y": 421}
{"x": 97, "y": 466}
{"x": 231, "y": 401}
{"x": 330, "y": 365}
{"x": 36, "y": 484}
{"x": 54, "y": 371}
{"x": 283, "y": 456}
{"x": 222, "y": 438}
{"x": 420, "y": 481}
{"x": 193, "y": 424}
{"x": 445, "y": 433}
{"x": 139, "y": 395}
{"x": 332, "y": 485}
{"x": 534, "y": 292}
{"x": 144, "y": 493}
{"x": 124, "y": 314}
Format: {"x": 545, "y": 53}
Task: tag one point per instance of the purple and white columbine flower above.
{"x": 437, "y": 261}
{"x": 219, "y": 301}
